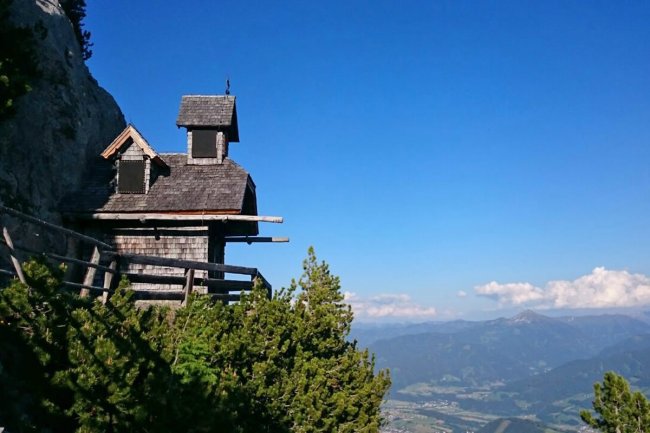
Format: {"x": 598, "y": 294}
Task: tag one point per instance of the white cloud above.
{"x": 510, "y": 293}
{"x": 461, "y": 294}
{"x": 383, "y": 306}
{"x": 602, "y": 288}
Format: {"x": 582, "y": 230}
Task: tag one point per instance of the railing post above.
{"x": 109, "y": 277}
{"x": 189, "y": 284}
{"x": 90, "y": 273}
{"x": 12, "y": 255}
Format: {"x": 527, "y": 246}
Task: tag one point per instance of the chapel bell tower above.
{"x": 211, "y": 123}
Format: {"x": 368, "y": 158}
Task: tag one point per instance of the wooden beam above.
{"x": 91, "y": 290}
{"x": 153, "y": 295}
{"x": 90, "y": 273}
{"x": 189, "y": 284}
{"x": 251, "y": 239}
{"x": 181, "y": 280}
{"x": 177, "y": 263}
{"x": 7, "y": 272}
{"x": 12, "y": 255}
{"x": 143, "y": 217}
{"x": 64, "y": 259}
{"x": 71, "y": 233}
{"x": 177, "y": 295}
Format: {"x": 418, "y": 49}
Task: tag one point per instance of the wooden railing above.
{"x": 118, "y": 265}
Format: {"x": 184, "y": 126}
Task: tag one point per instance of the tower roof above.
{"x": 209, "y": 111}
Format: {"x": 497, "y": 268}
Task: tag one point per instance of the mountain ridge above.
{"x": 503, "y": 349}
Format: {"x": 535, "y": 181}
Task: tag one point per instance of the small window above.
{"x": 131, "y": 177}
{"x": 204, "y": 144}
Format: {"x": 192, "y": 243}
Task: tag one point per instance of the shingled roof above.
{"x": 209, "y": 111}
{"x": 219, "y": 188}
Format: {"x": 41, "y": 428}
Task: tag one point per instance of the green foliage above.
{"x": 18, "y": 66}
{"x": 277, "y": 365}
{"x": 76, "y": 12}
{"x": 618, "y": 410}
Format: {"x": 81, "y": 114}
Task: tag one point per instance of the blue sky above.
{"x": 423, "y": 148}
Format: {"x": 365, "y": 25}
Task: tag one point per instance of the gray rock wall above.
{"x": 65, "y": 119}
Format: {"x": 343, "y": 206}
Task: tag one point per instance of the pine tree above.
{"x": 33, "y": 324}
{"x": 261, "y": 365}
{"x": 75, "y": 10}
{"x": 618, "y": 410}
{"x": 335, "y": 385}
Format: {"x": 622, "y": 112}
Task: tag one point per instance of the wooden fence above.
{"x": 118, "y": 264}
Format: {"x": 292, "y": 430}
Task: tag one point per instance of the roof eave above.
{"x": 131, "y": 132}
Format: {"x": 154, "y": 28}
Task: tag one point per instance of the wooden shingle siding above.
{"x": 185, "y": 243}
{"x": 132, "y": 153}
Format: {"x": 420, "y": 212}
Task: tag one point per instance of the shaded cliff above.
{"x": 62, "y": 122}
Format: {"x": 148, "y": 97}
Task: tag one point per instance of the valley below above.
{"x": 527, "y": 373}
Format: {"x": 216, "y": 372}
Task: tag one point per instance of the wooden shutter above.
{"x": 131, "y": 178}
{"x": 204, "y": 143}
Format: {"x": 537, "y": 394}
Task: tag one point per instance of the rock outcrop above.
{"x": 66, "y": 119}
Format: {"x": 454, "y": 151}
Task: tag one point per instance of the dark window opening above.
{"x": 131, "y": 177}
{"x": 204, "y": 143}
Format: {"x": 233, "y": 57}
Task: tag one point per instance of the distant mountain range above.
{"x": 367, "y": 334}
{"x": 529, "y": 364}
{"x": 501, "y": 350}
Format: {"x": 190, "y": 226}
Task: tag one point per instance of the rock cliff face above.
{"x": 65, "y": 120}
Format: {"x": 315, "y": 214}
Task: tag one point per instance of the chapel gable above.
{"x": 136, "y": 163}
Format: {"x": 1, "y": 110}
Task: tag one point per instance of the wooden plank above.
{"x": 159, "y": 295}
{"x": 6, "y": 272}
{"x": 143, "y": 217}
{"x": 178, "y": 295}
{"x": 90, "y": 273}
{"x": 108, "y": 279}
{"x": 68, "y": 232}
{"x": 254, "y": 239}
{"x": 226, "y": 297}
{"x": 224, "y": 285}
{"x": 189, "y": 284}
{"x": 91, "y": 290}
{"x": 153, "y": 295}
{"x": 178, "y": 263}
{"x": 64, "y": 258}
{"x": 180, "y": 280}
{"x": 12, "y": 255}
